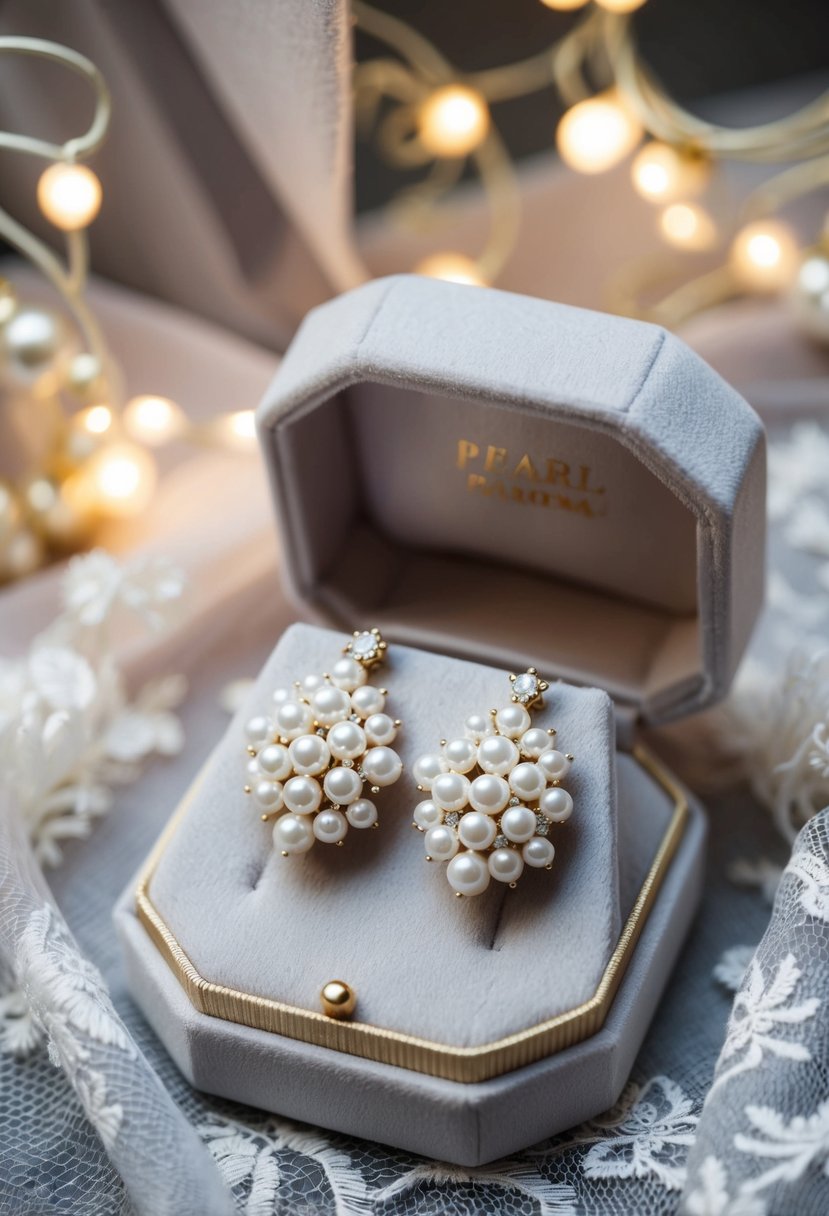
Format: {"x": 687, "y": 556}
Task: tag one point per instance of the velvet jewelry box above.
{"x": 495, "y": 482}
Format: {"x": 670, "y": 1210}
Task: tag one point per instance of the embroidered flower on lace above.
{"x": 798, "y": 1145}
{"x": 550, "y": 1198}
{"x": 813, "y": 873}
{"x": 731, "y": 969}
{"x": 711, "y": 1197}
{"x": 96, "y": 585}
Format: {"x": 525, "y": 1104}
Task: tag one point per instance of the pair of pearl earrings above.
{"x": 493, "y": 794}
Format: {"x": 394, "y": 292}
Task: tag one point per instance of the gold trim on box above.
{"x": 467, "y": 1064}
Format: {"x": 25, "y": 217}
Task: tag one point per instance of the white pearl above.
{"x": 382, "y": 766}
{"x": 330, "y": 705}
{"x": 489, "y": 794}
{"x": 280, "y": 695}
{"x": 275, "y": 760}
{"x": 362, "y": 813}
{"x": 380, "y": 728}
{"x": 476, "y": 831}
{"x": 527, "y": 781}
{"x": 477, "y": 726}
{"x": 506, "y": 865}
{"x": 538, "y": 852}
{"x": 342, "y": 785}
{"x": 291, "y": 834}
{"x": 461, "y": 755}
{"x": 468, "y": 874}
{"x": 346, "y": 740}
{"x": 268, "y": 795}
{"x": 348, "y": 674}
{"x": 302, "y": 795}
{"x": 293, "y": 718}
{"x": 426, "y": 768}
{"x": 257, "y": 729}
{"x": 535, "y": 741}
{"x": 427, "y": 814}
{"x": 517, "y": 823}
{"x": 512, "y": 720}
{"x": 367, "y": 700}
{"x": 556, "y": 804}
{"x": 441, "y": 843}
{"x": 497, "y": 755}
{"x": 330, "y": 826}
{"x": 450, "y": 791}
{"x": 309, "y": 755}
{"x": 310, "y": 684}
{"x": 554, "y": 765}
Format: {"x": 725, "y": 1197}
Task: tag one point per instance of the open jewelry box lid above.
{"x": 512, "y": 480}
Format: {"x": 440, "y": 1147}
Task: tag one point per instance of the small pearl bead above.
{"x": 477, "y": 831}
{"x": 556, "y": 804}
{"x": 342, "y": 785}
{"x": 450, "y": 791}
{"x": 348, "y": 674}
{"x": 497, "y": 755}
{"x": 258, "y": 728}
{"x": 291, "y": 834}
{"x": 427, "y": 768}
{"x": 362, "y": 813}
{"x": 512, "y": 720}
{"x": 330, "y": 826}
{"x": 554, "y": 765}
{"x": 346, "y": 740}
{"x": 427, "y": 814}
{"x": 506, "y": 865}
{"x": 268, "y": 795}
{"x": 517, "y": 823}
{"x": 477, "y": 726}
{"x": 468, "y": 874}
{"x": 309, "y": 755}
{"x": 367, "y": 700}
{"x": 275, "y": 760}
{"x": 441, "y": 843}
{"x": 461, "y": 755}
{"x": 281, "y": 695}
{"x": 489, "y": 794}
{"x": 382, "y": 766}
{"x": 527, "y": 781}
{"x": 380, "y": 728}
{"x": 293, "y": 718}
{"x": 538, "y": 852}
{"x": 330, "y": 705}
{"x": 535, "y": 741}
{"x": 302, "y": 795}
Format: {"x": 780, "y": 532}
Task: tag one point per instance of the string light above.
{"x": 688, "y": 226}
{"x": 235, "y": 431}
{"x": 154, "y": 420}
{"x": 119, "y": 480}
{"x": 620, "y": 6}
{"x": 69, "y": 196}
{"x": 564, "y": 6}
{"x": 764, "y": 255}
{"x": 453, "y": 267}
{"x": 594, "y": 135}
{"x": 453, "y": 121}
{"x": 662, "y": 173}
{"x": 96, "y": 420}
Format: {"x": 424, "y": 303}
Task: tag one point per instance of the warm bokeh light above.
{"x": 662, "y": 174}
{"x": 564, "y": 6}
{"x": 154, "y": 420}
{"x": 236, "y": 431}
{"x": 596, "y": 134}
{"x": 453, "y": 267}
{"x": 620, "y": 6}
{"x": 688, "y": 226}
{"x": 95, "y": 421}
{"x": 764, "y": 255}
{"x": 120, "y": 479}
{"x": 453, "y": 121}
{"x": 69, "y": 196}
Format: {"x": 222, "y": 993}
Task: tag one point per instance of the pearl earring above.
{"x": 494, "y": 794}
{"x": 311, "y": 755}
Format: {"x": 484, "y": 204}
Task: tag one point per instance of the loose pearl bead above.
{"x": 302, "y": 795}
{"x": 450, "y": 791}
{"x": 468, "y": 874}
{"x": 291, "y": 834}
{"x": 426, "y": 768}
{"x": 330, "y": 826}
{"x": 538, "y": 852}
{"x": 427, "y": 814}
{"x": 512, "y": 720}
{"x": 268, "y": 795}
{"x": 506, "y": 865}
{"x": 517, "y": 823}
{"x": 489, "y": 794}
{"x": 310, "y": 684}
{"x": 330, "y": 705}
{"x": 275, "y": 760}
{"x": 556, "y": 804}
{"x": 309, "y": 755}
{"x": 554, "y": 765}
{"x": 477, "y": 726}
{"x": 441, "y": 843}
{"x": 348, "y": 674}
{"x": 461, "y": 755}
{"x": 382, "y": 766}
{"x": 535, "y": 741}
{"x": 362, "y": 813}
{"x": 497, "y": 755}
{"x": 380, "y": 728}
{"x": 293, "y": 719}
{"x": 527, "y": 781}
{"x": 367, "y": 700}
{"x": 346, "y": 740}
{"x": 258, "y": 728}
{"x": 342, "y": 785}
{"x": 476, "y": 831}
{"x": 281, "y": 695}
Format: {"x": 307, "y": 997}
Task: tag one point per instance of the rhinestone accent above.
{"x": 452, "y": 819}
{"x": 542, "y": 825}
{"x": 500, "y": 842}
{"x": 514, "y": 802}
{"x": 525, "y": 687}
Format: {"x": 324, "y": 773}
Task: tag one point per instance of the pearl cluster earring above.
{"x": 494, "y": 794}
{"x": 325, "y": 737}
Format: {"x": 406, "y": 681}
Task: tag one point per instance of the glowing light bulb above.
{"x": 687, "y": 226}
{"x": 69, "y": 196}
{"x": 564, "y": 6}
{"x": 154, "y": 420}
{"x": 453, "y": 120}
{"x": 620, "y": 6}
{"x": 662, "y": 173}
{"x": 120, "y": 479}
{"x": 96, "y": 420}
{"x": 764, "y": 255}
{"x": 236, "y": 431}
{"x": 452, "y": 267}
{"x": 594, "y": 135}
